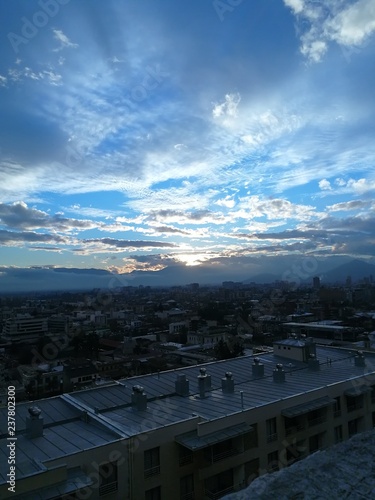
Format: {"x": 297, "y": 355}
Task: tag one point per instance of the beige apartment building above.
{"x": 193, "y": 433}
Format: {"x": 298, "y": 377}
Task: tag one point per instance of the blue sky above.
{"x": 137, "y": 135}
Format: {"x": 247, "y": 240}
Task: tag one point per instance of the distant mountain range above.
{"x": 300, "y": 270}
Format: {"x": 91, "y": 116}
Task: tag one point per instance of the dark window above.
{"x": 354, "y": 402}
{"x": 273, "y": 461}
{"x": 337, "y": 407}
{"x": 108, "y": 478}
{"x": 187, "y": 487}
{"x": 185, "y": 456}
{"x": 271, "y": 430}
{"x": 316, "y": 442}
{"x": 152, "y": 462}
{"x": 153, "y": 494}
{"x": 353, "y": 427}
{"x": 338, "y": 434}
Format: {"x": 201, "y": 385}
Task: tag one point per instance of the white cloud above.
{"x": 228, "y": 202}
{"x": 353, "y": 25}
{"x": 325, "y": 185}
{"x": 296, "y": 5}
{"x": 345, "y": 23}
{"x": 63, "y": 40}
{"x": 228, "y": 108}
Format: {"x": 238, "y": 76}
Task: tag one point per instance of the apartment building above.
{"x": 193, "y": 433}
{"x": 24, "y": 328}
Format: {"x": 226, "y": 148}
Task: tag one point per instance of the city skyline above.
{"x": 143, "y": 136}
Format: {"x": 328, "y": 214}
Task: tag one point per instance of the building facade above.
{"x": 193, "y": 433}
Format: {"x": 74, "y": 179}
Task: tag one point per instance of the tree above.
{"x": 222, "y": 351}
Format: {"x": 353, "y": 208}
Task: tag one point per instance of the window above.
{"x": 185, "y": 456}
{"x": 271, "y": 430}
{"x": 316, "y": 417}
{"x": 295, "y": 451}
{"x": 354, "y": 402}
{"x": 337, "y": 407}
{"x": 153, "y": 494}
{"x": 152, "y": 462}
{"x": 187, "y": 487}
{"x": 220, "y": 451}
{"x": 338, "y": 434}
{"x": 273, "y": 461}
{"x": 108, "y": 478}
{"x": 353, "y": 427}
{"x": 316, "y": 442}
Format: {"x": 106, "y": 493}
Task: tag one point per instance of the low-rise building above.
{"x": 24, "y": 328}
{"x": 198, "y": 432}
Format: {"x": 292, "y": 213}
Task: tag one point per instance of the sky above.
{"x": 140, "y": 135}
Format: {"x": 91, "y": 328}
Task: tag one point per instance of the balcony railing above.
{"x": 354, "y": 406}
{"x": 105, "y": 489}
{"x": 224, "y": 454}
{"x": 295, "y": 428}
{"x": 215, "y": 495}
{"x": 188, "y": 496}
{"x": 272, "y": 437}
{"x": 186, "y": 459}
{"x": 152, "y": 471}
{"x": 317, "y": 421}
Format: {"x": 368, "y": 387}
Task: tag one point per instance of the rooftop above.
{"x": 89, "y": 418}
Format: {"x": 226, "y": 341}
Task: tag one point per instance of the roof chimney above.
{"x": 203, "y": 383}
{"x": 279, "y": 373}
{"x": 257, "y": 368}
{"x": 207, "y": 377}
{"x": 34, "y": 424}
{"x": 182, "y": 385}
{"x": 313, "y": 363}
{"x": 139, "y": 398}
{"x": 227, "y": 383}
{"x": 359, "y": 360}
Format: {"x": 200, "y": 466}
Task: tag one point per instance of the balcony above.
{"x": 186, "y": 459}
{"x": 317, "y": 421}
{"x": 337, "y": 413}
{"x": 294, "y": 429}
{"x": 188, "y": 496}
{"x": 152, "y": 471}
{"x": 216, "y": 494}
{"x": 354, "y": 406}
{"x": 272, "y": 437}
{"x": 216, "y": 457}
{"x": 105, "y": 489}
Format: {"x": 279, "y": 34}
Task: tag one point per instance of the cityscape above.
{"x": 187, "y": 265}
{"x": 124, "y": 362}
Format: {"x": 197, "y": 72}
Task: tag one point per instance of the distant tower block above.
{"x": 316, "y": 282}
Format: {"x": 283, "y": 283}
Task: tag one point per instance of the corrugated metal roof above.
{"x": 67, "y": 432}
